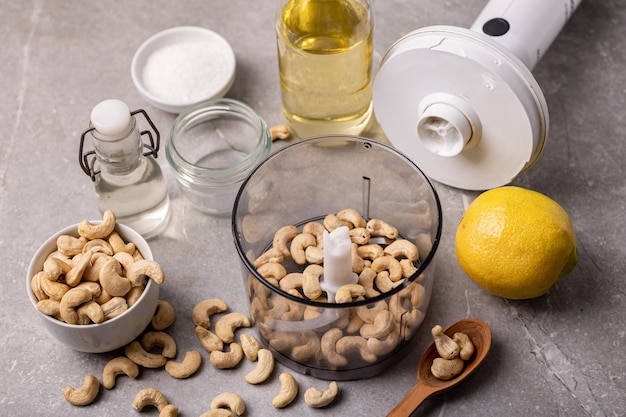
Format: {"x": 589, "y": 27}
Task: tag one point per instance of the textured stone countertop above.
{"x": 558, "y": 355}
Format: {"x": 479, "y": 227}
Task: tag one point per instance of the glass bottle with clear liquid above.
{"x": 129, "y": 181}
{"x": 325, "y": 65}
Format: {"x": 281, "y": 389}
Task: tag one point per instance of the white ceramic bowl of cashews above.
{"x": 114, "y": 331}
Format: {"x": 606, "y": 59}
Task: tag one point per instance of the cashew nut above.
{"x": 348, "y": 293}
{"x": 134, "y": 295}
{"x": 149, "y": 396}
{"x": 348, "y": 344}
{"x": 360, "y": 236}
{"x": 164, "y": 316}
{"x": 314, "y": 255}
{"x": 402, "y": 248}
{"x": 408, "y": 267}
{"x": 250, "y": 346}
{"x": 227, "y": 360}
{"x": 352, "y": 216}
{"x": 272, "y": 270}
{"x": 366, "y": 279}
{"x": 202, "y": 312}
{"x": 382, "y": 326}
{"x": 288, "y": 391}
{"x": 446, "y": 347}
{"x": 317, "y": 399}
{"x": 90, "y": 312}
{"x": 271, "y": 255}
{"x": 291, "y": 281}
{"x": 144, "y": 267}
{"x": 466, "y": 345}
{"x": 382, "y": 347}
{"x": 53, "y": 289}
{"x": 50, "y": 307}
{"x": 111, "y": 280}
{"x": 208, "y": 339}
{"x": 316, "y": 229}
{"x": 229, "y": 400}
{"x": 118, "y": 366}
{"x": 309, "y": 349}
{"x": 282, "y": 237}
{"x": 370, "y": 251}
{"x": 74, "y": 275}
{"x": 69, "y": 245}
{"x": 263, "y": 369}
{"x": 99, "y": 231}
{"x": 328, "y": 344}
{"x": 378, "y": 227}
{"x": 280, "y": 132}
{"x": 93, "y": 287}
{"x": 311, "y": 281}
{"x": 332, "y": 222}
{"x": 136, "y": 353}
{"x": 384, "y": 283}
{"x": 119, "y": 246}
{"x": 190, "y": 364}
{"x": 369, "y": 312}
{"x": 92, "y": 273}
{"x": 226, "y": 325}
{"x": 299, "y": 244}
{"x": 55, "y": 267}
{"x": 162, "y": 339}
{"x": 85, "y": 394}
{"x": 72, "y": 299}
{"x": 98, "y": 245}
{"x": 390, "y": 264}
{"x": 446, "y": 369}
{"x": 114, "y": 307}
{"x": 37, "y": 289}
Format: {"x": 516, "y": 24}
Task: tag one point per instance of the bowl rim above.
{"x": 172, "y": 36}
{"x": 43, "y": 251}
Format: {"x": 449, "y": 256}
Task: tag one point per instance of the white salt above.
{"x": 185, "y": 72}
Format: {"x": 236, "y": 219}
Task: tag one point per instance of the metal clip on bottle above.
{"x": 129, "y": 181}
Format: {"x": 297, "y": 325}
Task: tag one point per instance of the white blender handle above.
{"x": 526, "y": 28}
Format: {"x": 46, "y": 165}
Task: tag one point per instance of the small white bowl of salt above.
{"x": 178, "y": 67}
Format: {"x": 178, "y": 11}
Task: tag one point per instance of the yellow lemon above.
{"x": 516, "y": 243}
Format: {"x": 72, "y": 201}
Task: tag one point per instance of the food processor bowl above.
{"x": 306, "y": 182}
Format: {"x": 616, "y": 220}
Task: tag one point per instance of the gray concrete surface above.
{"x": 558, "y": 355}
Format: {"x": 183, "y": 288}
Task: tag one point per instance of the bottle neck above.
{"x": 119, "y": 156}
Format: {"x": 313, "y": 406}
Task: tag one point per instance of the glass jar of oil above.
{"x": 325, "y": 65}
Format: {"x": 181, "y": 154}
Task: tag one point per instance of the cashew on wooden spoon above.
{"x": 427, "y": 385}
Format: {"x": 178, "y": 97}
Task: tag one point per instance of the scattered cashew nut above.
{"x": 288, "y": 391}
{"x": 318, "y": 399}
{"x": 164, "y": 315}
{"x": 226, "y": 325}
{"x": 202, "y": 312}
{"x": 149, "y": 396}
{"x": 118, "y": 366}
{"x": 85, "y": 394}
{"x": 229, "y": 400}
{"x": 227, "y": 360}
{"x": 263, "y": 369}
{"x": 136, "y": 353}
{"x": 190, "y": 364}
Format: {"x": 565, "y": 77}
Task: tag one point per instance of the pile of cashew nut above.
{"x": 214, "y": 339}
{"x": 361, "y": 335}
{"x": 453, "y": 352}
{"x": 157, "y": 349}
{"x": 93, "y": 277}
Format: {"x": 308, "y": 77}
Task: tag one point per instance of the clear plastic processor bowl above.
{"x": 305, "y": 182}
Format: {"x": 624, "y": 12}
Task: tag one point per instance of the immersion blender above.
{"x": 462, "y": 104}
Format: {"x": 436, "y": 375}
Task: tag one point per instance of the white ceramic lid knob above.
{"x": 111, "y": 118}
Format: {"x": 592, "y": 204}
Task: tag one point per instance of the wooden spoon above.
{"x": 427, "y": 385}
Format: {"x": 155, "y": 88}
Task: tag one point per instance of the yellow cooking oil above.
{"x": 325, "y": 65}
